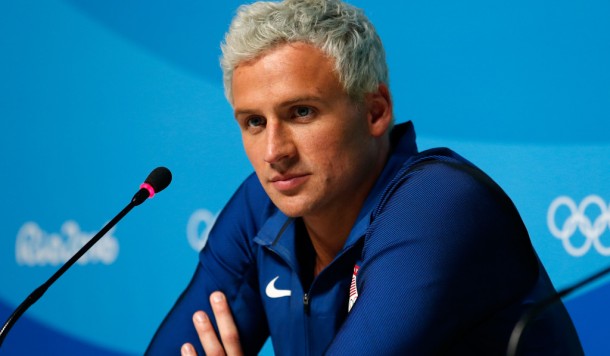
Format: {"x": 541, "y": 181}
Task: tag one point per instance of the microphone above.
{"x": 539, "y": 307}
{"x": 156, "y": 181}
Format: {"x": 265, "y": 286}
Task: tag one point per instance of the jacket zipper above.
{"x": 306, "y": 303}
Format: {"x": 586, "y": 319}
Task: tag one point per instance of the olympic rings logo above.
{"x": 196, "y": 235}
{"x": 579, "y": 221}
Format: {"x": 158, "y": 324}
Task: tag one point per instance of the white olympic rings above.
{"x": 578, "y": 220}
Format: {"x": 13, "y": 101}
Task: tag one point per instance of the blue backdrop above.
{"x": 94, "y": 94}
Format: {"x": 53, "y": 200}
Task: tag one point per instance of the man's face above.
{"x": 312, "y": 147}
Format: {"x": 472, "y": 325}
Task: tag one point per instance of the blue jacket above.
{"x": 438, "y": 262}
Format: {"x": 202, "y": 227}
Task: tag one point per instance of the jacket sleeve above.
{"x": 446, "y": 252}
{"x": 226, "y": 264}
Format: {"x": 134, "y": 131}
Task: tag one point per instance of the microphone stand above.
{"x": 522, "y": 324}
{"x": 138, "y": 199}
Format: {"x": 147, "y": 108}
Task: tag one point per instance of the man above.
{"x": 347, "y": 240}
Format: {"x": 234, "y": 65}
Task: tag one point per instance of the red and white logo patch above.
{"x": 353, "y": 291}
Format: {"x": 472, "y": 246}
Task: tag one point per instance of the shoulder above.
{"x": 443, "y": 202}
{"x": 250, "y": 201}
{"x": 241, "y": 218}
{"x": 440, "y": 181}
{"x": 443, "y": 219}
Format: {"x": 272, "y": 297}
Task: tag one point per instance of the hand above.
{"x": 226, "y": 326}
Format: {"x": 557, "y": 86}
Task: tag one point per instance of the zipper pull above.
{"x": 306, "y": 302}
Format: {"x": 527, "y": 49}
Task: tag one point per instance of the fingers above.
{"x": 226, "y": 327}
{"x": 226, "y": 324}
{"x": 188, "y": 350}
{"x": 207, "y": 335}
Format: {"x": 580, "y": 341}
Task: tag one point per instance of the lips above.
{"x": 288, "y": 183}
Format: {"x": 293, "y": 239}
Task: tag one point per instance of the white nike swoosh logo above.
{"x": 273, "y": 292}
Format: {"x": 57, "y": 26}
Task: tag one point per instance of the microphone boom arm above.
{"x": 137, "y": 199}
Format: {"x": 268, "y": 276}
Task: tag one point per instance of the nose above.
{"x": 280, "y": 147}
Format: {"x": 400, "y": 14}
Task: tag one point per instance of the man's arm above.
{"x": 227, "y": 264}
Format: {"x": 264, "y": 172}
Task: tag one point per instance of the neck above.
{"x": 328, "y": 237}
{"x": 329, "y": 229}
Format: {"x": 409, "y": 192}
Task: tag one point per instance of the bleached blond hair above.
{"x": 340, "y": 30}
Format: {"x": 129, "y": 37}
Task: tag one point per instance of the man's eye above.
{"x": 255, "y": 121}
{"x": 303, "y": 111}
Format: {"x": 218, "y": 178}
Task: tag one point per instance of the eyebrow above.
{"x": 289, "y": 102}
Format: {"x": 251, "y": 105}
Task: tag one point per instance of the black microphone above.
{"x": 156, "y": 181}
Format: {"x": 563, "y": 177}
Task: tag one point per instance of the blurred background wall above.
{"x": 95, "y": 94}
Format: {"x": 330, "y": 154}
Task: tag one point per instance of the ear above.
{"x": 379, "y": 110}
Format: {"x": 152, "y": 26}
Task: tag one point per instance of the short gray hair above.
{"x": 340, "y": 30}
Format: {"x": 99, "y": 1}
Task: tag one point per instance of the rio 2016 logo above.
{"x": 36, "y": 247}
{"x": 590, "y": 218}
